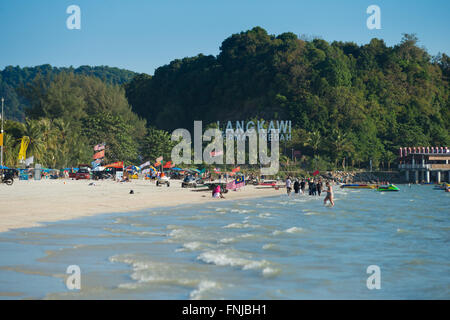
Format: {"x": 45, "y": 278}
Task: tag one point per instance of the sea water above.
{"x": 267, "y": 248}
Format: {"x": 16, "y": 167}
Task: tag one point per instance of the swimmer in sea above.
{"x": 329, "y": 196}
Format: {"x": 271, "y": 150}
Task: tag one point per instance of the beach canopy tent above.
{"x": 132, "y": 168}
{"x": 195, "y": 170}
{"x": 177, "y": 169}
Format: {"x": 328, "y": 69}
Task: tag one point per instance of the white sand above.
{"x": 28, "y": 203}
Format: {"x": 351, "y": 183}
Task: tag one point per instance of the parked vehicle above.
{"x": 191, "y": 182}
{"x": 163, "y": 179}
{"x": 7, "y": 177}
{"x": 100, "y": 175}
{"x": 83, "y": 174}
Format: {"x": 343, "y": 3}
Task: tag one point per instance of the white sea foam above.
{"x": 270, "y": 246}
{"x": 269, "y": 272}
{"x": 204, "y": 287}
{"x": 194, "y": 246}
{"x": 290, "y": 230}
{"x": 241, "y": 225}
{"x": 147, "y": 271}
{"x": 264, "y": 215}
{"x": 230, "y": 257}
{"x": 227, "y": 240}
{"x": 241, "y": 211}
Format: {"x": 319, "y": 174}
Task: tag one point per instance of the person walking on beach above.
{"x": 288, "y": 185}
{"x": 329, "y": 196}
{"x": 296, "y": 186}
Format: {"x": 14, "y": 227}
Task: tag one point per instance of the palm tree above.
{"x": 341, "y": 144}
{"x": 389, "y": 156}
{"x": 314, "y": 140}
{"x": 33, "y": 129}
{"x": 11, "y": 150}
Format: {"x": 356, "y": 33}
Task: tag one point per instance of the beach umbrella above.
{"x": 3, "y": 167}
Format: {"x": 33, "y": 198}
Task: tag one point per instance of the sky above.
{"x": 141, "y": 35}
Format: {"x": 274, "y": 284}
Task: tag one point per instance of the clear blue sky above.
{"x": 141, "y": 35}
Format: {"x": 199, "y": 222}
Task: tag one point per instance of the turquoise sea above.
{"x": 268, "y": 248}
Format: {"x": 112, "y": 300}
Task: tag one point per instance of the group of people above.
{"x": 314, "y": 188}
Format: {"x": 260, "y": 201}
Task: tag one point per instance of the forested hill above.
{"x": 13, "y": 78}
{"x": 373, "y": 97}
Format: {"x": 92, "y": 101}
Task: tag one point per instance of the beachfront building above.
{"x": 425, "y": 164}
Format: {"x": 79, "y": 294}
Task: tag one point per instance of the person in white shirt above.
{"x": 288, "y": 185}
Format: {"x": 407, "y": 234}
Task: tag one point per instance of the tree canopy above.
{"x": 362, "y": 100}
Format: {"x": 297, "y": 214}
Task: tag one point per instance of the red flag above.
{"x": 117, "y": 165}
{"x": 237, "y": 169}
{"x": 315, "y": 173}
{"x": 168, "y": 165}
{"x": 99, "y": 155}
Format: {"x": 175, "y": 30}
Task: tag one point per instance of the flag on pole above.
{"x": 100, "y": 154}
{"x": 237, "y": 169}
{"x": 146, "y": 164}
{"x": 240, "y": 182}
{"x": 95, "y": 164}
{"x": 117, "y": 165}
{"x": 168, "y": 165}
{"x": 297, "y": 153}
{"x": 99, "y": 147}
{"x": 231, "y": 185}
{"x": 29, "y": 161}
{"x": 315, "y": 173}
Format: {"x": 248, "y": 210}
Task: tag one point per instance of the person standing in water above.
{"x": 329, "y": 196}
{"x": 302, "y": 186}
{"x": 314, "y": 188}
{"x": 288, "y": 185}
{"x": 296, "y": 186}
{"x": 319, "y": 187}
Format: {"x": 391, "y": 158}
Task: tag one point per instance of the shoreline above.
{"x": 28, "y": 204}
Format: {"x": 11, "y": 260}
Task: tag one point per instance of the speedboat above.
{"x": 390, "y": 187}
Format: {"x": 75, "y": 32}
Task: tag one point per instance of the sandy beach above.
{"x": 29, "y": 203}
